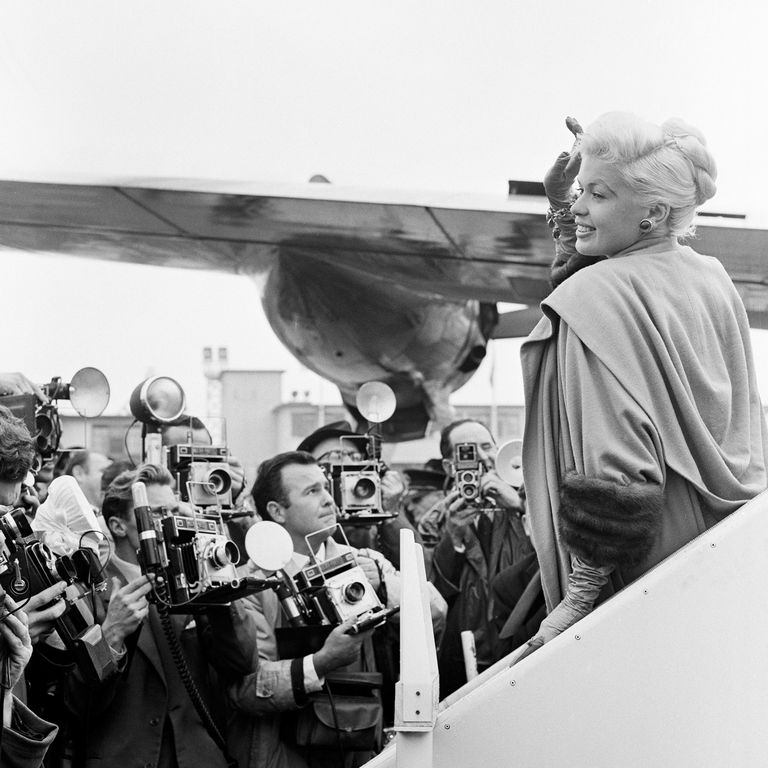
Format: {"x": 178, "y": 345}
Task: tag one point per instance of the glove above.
{"x": 559, "y": 179}
{"x": 585, "y": 583}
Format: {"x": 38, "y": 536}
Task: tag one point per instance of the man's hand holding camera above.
{"x": 370, "y": 569}
{"x": 340, "y": 648}
{"x": 128, "y": 607}
{"x": 392, "y": 490}
{"x": 43, "y": 609}
{"x": 458, "y": 516}
{"x": 18, "y": 384}
{"x": 237, "y": 473}
{"x": 503, "y": 495}
{"x": 459, "y": 513}
{"x": 15, "y": 651}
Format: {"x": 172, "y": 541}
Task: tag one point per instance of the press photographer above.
{"x": 144, "y": 715}
{"x": 205, "y": 474}
{"x": 292, "y": 490}
{"x": 27, "y": 565}
{"x": 347, "y": 454}
{"x": 25, "y": 737}
{"x": 481, "y": 534}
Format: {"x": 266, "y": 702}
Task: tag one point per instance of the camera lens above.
{"x": 469, "y": 491}
{"x": 219, "y": 481}
{"x": 14, "y": 525}
{"x": 354, "y": 592}
{"x": 364, "y": 489}
{"x": 224, "y": 554}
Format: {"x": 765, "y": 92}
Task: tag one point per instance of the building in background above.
{"x": 258, "y": 420}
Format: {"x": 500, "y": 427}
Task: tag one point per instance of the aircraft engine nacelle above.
{"x": 351, "y": 327}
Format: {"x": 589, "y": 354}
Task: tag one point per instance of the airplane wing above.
{"x": 359, "y": 285}
{"x": 457, "y": 246}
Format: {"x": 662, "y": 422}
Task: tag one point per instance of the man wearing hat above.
{"x": 326, "y": 446}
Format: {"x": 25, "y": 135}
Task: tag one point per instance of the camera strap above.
{"x": 192, "y": 690}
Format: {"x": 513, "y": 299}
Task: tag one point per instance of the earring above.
{"x": 646, "y": 225}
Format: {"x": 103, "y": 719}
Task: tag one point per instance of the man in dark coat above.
{"x": 143, "y": 715}
{"x": 477, "y": 543}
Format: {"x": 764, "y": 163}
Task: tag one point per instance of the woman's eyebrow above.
{"x": 594, "y": 183}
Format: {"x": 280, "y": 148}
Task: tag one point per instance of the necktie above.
{"x": 484, "y": 532}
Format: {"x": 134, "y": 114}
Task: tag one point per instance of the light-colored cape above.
{"x": 641, "y": 371}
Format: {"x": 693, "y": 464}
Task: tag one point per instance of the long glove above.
{"x": 585, "y": 583}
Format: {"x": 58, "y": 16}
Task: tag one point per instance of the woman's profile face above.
{"x": 607, "y": 212}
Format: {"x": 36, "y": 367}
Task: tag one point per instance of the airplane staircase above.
{"x": 672, "y": 671}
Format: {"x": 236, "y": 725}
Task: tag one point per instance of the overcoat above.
{"x": 259, "y": 697}
{"x": 640, "y": 386}
{"x": 143, "y": 714}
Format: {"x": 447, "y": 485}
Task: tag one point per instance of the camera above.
{"x": 27, "y": 567}
{"x": 189, "y": 557}
{"x": 203, "y": 476}
{"x": 88, "y": 393}
{"x": 339, "y": 588}
{"x": 356, "y": 482}
{"x": 326, "y": 592}
{"x": 468, "y": 470}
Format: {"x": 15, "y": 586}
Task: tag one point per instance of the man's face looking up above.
{"x": 308, "y": 504}
{"x": 159, "y": 498}
{"x": 333, "y": 451}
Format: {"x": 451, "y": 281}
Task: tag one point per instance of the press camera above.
{"x": 203, "y": 475}
{"x": 189, "y": 556}
{"x": 88, "y": 393}
{"x": 356, "y": 482}
{"x": 27, "y": 567}
{"x": 325, "y": 592}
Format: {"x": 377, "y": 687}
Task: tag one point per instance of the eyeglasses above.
{"x": 341, "y": 455}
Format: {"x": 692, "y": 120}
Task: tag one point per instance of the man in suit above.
{"x": 292, "y": 490}
{"x": 143, "y": 715}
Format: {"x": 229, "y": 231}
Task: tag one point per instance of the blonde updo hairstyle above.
{"x": 668, "y": 164}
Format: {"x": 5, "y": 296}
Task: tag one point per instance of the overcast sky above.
{"x": 413, "y": 95}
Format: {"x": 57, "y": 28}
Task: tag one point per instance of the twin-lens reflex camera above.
{"x": 467, "y": 470}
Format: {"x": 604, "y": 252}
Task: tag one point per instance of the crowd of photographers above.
{"x": 106, "y": 658}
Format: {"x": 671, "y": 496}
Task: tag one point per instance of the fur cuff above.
{"x": 605, "y": 523}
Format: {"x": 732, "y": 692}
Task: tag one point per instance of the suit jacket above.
{"x": 26, "y": 746}
{"x": 259, "y": 696}
{"x": 143, "y": 715}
